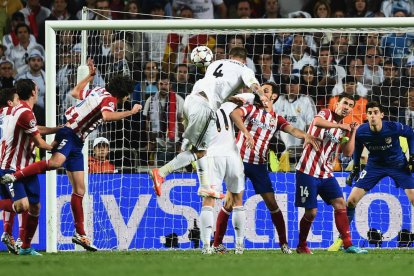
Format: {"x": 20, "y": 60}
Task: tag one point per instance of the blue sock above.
{"x": 350, "y": 212}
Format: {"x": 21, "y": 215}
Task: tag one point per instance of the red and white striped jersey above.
{"x": 262, "y": 126}
{"x": 319, "y": 163}
{"x": 87, "y": 114}
{"x": 17, "y": 148}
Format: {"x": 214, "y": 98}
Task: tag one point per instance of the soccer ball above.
{"x": 201, "y": 56}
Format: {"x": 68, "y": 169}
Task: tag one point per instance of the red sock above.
{"x": 8, "y": 221}
{"x": 342, "y": 224}
{"x": 221, "y": 226}
{"x": 279, "y": 223}
{"x": 304, "y": 227}
{"x": 77, "y": 211}
{"x": 33, "y": 169}
{"x": 6, "y": 205}
{"x": 22, "y": 224}
{"x": 31, "y": 226}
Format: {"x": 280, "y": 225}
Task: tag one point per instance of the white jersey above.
{"x": 223, "y": 142}
{"x": 224, "y": 78}
{"x": 299, "y": 113}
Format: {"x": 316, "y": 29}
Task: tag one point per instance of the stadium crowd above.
{"x": 310, "y": 69}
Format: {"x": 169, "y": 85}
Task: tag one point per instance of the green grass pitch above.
{"x": 172, "y": 263}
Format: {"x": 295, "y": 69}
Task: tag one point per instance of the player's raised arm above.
{"x": 237, "y": 118}
{"x": 77, "y": 90}
{"x": 47, "y": 130}
{"x": 300, "y": 134}
{"x": 322, "y": 123}
{"x": 108, "y": 116}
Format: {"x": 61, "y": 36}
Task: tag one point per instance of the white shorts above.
{"x": 200, "y": 121}
{"x": 227, "y": 168}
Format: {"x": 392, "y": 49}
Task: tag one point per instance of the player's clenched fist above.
{"x": 136, "y": 108}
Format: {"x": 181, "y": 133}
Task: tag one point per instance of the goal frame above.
{"x": 329, "y": 24}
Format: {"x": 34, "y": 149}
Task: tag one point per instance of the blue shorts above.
{"x": 372, "y": 174}
{"x": 259, "y": 176}
{"x": 26, "y": 187}
{"x": 70, "y": 145}
{"x": 308, "y": 188}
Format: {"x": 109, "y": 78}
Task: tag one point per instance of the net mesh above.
{"x": 319, "y": 64}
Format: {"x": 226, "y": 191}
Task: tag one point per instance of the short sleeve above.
{"x": 281, "y": 123}
{"x": 108, "y": 104}
{"x": 246, "y": 109}
{"x": 324, "y": 113}
{"x": 28, "y": 123}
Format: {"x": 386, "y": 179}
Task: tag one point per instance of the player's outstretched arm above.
{"x": 40, "y": 143}
{"x": 47, "y": 130}
{"x": 237, "y": 117}
{"x": 108, "y": 116}
{"x": 76, "y": 92}
{"x": 309, "y": 139}
{"x": 322, "y": 123}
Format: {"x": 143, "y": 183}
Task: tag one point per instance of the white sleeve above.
{"x": 248, "y": 97}
{"x": 248, "y": 77}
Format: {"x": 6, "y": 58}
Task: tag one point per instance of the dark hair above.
{"x": 325, "y": 47}
{"x": 185, "y": 7}
{"x": 120, "y": 86}
{"x": 349, "y": 79}
{"x": 181, "y": 65}
{"x": 275, "y": 87}
{"x": 7, "y": 94}
{"x": 21, "y": 25}
{"x": 239, "y": 52}
{"x": 164, "y": 76}
{"x": 17, "y": 16}
{"x": 373, "y": 104}
{"x": 344, "y": 95}
{"x": 24, "y": 88}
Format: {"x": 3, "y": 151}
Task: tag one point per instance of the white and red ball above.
{"x": 201, "y": 56}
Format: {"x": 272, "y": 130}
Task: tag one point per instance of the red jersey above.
{"x": 262, "y": 125}
{"x": 17, "y": 149}
{"x": 319, "y": 163}
{"x": 87, "y": 114}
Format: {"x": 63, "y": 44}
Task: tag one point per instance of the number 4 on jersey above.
{"x": 218, "y": 73}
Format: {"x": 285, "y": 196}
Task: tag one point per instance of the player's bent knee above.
{"x": 21, "y": 206}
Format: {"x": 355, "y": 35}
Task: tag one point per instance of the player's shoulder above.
{"x": 325, "y": 112}
{"x": 391, "y": 125}
{"x": 363, "y": 128}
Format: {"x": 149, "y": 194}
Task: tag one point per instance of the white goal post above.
{"x": 348, "y": 25}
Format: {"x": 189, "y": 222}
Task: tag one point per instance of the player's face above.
{"x": 268, "y": 92}
{"x": 344, "y": 107}
{"x": 101, "y": 151}
{"x": 374, "y": 116}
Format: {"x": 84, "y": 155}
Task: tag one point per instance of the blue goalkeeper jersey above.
{"x": 384, "y": 146}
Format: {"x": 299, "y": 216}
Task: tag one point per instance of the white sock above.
{"x": 202, "y": 172}
{"x": 206, "y": 225}
{"x": 180, "y": 161}
{"x": 239, "y": 224}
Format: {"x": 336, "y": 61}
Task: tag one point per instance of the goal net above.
{"x": 312, "y": 61}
